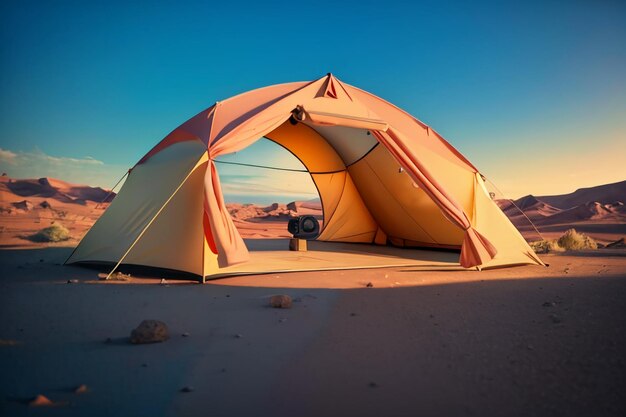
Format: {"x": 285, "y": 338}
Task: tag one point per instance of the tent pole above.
{"x": 150, "y": 222}
{"x": 111, "y": 191}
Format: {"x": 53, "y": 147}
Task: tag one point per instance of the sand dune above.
{"x": 53, "y": 189}
{"x": 542, "y": 213}
{"x": 531, "y": 207}
{"x": 598, "y": 211}
{"x": 28, "y": 205}
{"x": 589, "y": 211}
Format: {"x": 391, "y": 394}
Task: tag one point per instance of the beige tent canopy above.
{"x": 386, "y": 181}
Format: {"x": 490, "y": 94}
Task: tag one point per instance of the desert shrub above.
{"x": 572, "y": 240}
{"x": 546, "y": 246}
{"x": 54, "y": 233}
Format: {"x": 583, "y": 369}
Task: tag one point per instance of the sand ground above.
{"x": 511, "y": 342}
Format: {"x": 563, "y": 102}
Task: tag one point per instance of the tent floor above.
{"x": 273, "y": 256}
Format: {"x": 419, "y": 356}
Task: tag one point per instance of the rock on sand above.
{"x": 149, "y": 331}
{"x": 41, "y": 401}
{"x": 280, "y": 301}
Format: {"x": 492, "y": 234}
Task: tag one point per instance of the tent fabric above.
{"x": 385, "y": 189}
{"x": 475, "y": 250}
{"x": 383, "y": 177}
{"x": 146, "y": 191}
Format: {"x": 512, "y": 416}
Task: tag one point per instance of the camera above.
{"x": 304, "y": 227}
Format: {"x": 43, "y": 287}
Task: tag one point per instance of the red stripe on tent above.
{"x": 207, "y": 233}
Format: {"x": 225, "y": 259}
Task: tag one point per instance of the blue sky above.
{"x": 534, "y": 93}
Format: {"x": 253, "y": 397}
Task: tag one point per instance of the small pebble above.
{"x": 373, "y": 385}
{"x": 352, "y": 314}
{"x": 282, "y": 320}
{"x": 238, "y": 336}
{"x": 81, "y": 389}
{"x": 185, "y": 334}
{"x": 280, "y": 301}
{"x": 41, "y": 401}
{"x": 187, "y": 389}
{"x": 369, "y": 285}
{"x": 549, "y": 304}
{"x": 555, "y": 318}
{"x": 72, "y": 281}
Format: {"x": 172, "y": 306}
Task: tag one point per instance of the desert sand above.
{"x": 518, "y": 341}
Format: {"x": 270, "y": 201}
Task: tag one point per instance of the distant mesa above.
{"x": 275, "y": 211}
{"x": 23, "y": 205}
{"x": 527, "y": 202}
{"x": 270, "y": 208}
{"x": 53, "y": 189}
{"x": 313, "y": 204}
{"x": 293, "y": 206}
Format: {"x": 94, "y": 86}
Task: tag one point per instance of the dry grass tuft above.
{"x": 570, "y": 240}
{"x": 546, "y": 246}
{"x": 54, "y": 233}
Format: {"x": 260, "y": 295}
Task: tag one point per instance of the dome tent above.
{"x": 384, "y": 178}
